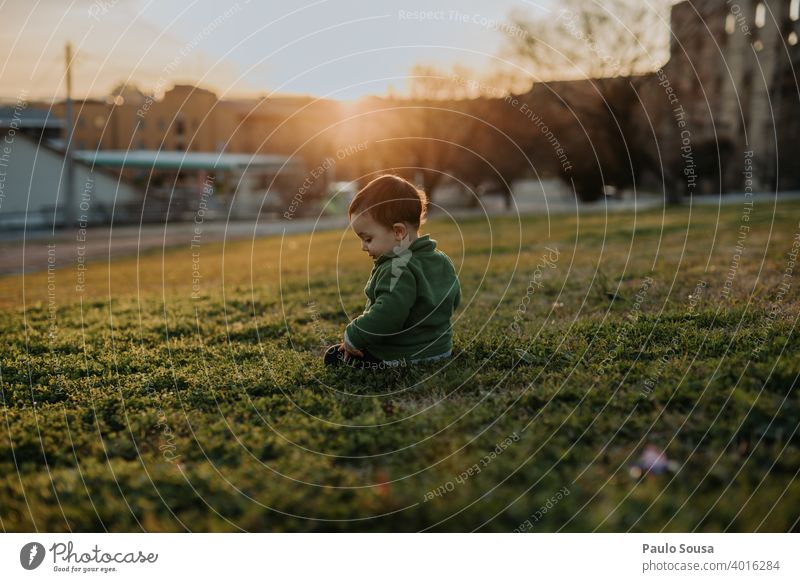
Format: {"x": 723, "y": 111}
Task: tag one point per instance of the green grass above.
{"x": 150, "y": 410}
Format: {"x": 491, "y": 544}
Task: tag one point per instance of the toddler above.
{"x": 413, "y": 288}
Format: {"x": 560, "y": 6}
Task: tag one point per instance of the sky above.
{"x": 343, "y": 49}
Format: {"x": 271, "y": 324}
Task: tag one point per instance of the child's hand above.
{"x": 350, "y": 350}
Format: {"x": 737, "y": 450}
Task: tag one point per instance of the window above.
{"x": 747, "y": 79}
{"x": 730, "y": 24}
{"x": 761, "y": 15}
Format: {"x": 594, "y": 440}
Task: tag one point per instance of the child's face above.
{"x": 377, "y": 239}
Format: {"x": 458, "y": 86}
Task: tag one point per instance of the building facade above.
{"x": 733, "y": 67}
{"x": 193, "y": 119}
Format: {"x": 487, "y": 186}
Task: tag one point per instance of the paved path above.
{"x": 22, "y": 251}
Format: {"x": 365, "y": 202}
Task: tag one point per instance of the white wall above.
{"x": 30, "y": 180}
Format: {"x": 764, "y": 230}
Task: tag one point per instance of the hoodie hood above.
{"x": 423, "y": 244}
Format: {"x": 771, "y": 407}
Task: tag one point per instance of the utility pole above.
{"x": 69, "y": 190}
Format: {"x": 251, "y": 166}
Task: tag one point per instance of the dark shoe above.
{"x": 334, "y": 357}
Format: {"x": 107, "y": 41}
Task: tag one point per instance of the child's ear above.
{"x": 400, "y": 230}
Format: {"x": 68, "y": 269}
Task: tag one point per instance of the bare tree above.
{"x": 452, "y": 122}
{"x": 609, "y": 50}
{"x": 456, "y": 112}
{"x": 593, "y": 40}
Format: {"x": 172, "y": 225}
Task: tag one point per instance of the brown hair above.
{"x": 389, "y": 199}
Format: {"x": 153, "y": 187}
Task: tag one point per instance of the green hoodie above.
{"x": 411, "y": 294}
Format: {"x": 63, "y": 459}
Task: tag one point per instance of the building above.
{"x": 722, "y": 115}
{"x": 177, "y": 184}
{"x": 194, "y": 119}
{"x": 37, "y": 124}
{"x": 32, "y": 185}
{"x": 732, "y": 65}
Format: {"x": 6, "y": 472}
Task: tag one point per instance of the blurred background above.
{"x": 135, "y": 111}
{"x": 646, "y": 376}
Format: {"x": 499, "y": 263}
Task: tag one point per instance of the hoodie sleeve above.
{"x": 395, "y": 294}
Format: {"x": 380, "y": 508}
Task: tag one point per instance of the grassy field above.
{"x": 151, "y": 399}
